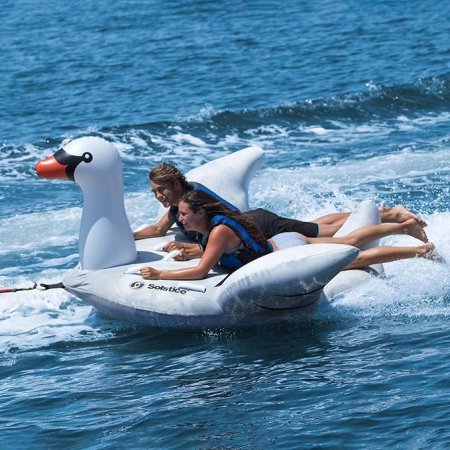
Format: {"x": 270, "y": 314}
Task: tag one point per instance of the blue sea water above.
{"x": 350, "y": 100}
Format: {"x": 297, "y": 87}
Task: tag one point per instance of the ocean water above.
{"x": 350, "y": 100}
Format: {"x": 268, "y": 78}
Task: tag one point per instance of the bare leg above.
{"x": 377, "y": 255}
{"x": 370, "y": 233}
{"x": 329, "y": 230}
{"x": 399, "y": 214}
{"x": 330, "y": 223}
{"x": 335, "y": 219}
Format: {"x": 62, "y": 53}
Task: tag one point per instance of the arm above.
{"x": 219, "y": 240}
{"x": 160, "y": 229}
{"x": 188, "y": 250}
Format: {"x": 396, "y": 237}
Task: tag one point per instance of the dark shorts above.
{"x": 270, "y": 224}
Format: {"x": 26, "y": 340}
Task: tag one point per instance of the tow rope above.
{"x": 39, "y": 287}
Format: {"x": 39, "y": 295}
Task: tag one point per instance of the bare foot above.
{"x": 413, "y": 228}
{"x": 399, "y": 214}
{"x": 428, "y": 251}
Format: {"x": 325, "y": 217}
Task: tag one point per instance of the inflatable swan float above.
{"x": 275, "y": 288}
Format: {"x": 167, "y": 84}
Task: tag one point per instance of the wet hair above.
{"x": 167, "y": 175}
{"x": 202, "y": 200}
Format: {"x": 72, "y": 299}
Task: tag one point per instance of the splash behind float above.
{"x": 275, "y": 288}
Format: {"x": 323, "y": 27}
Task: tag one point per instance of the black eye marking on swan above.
{"x": 72, "y": 161}
{"x": 87, "y": 157}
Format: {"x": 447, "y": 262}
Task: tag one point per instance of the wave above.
{"x": 378, "y": 102}
{"x": 426, "y": 95}
{"x": 378, "y": 109}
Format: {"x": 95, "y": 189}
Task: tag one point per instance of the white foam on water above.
{"x": 37, "y": 231}
{"x": 318, "y": 187}
{"x": 412, "y": 288}
{"x": 338, "y": 132}
{"x": 34, "y": 319}
{"x": 427, "y": 119}
{"x": 188, "y": 138}
{"x": 136, "y": 144}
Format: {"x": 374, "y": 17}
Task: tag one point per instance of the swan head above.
{"x": 106, "y": 239}
{"x": 81, "y": 160}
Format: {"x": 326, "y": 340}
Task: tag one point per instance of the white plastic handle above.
{"x": 191, "y": 287}
{"x": 171, "y": 255}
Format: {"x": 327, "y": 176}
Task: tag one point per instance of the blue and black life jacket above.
{"x": 247, "y": 252}
{"x": 193, "y": 235}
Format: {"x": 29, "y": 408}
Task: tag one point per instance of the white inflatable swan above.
{"x": 271, "y": 289}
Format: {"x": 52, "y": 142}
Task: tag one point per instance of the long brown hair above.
{"x": 197, "y": 200}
